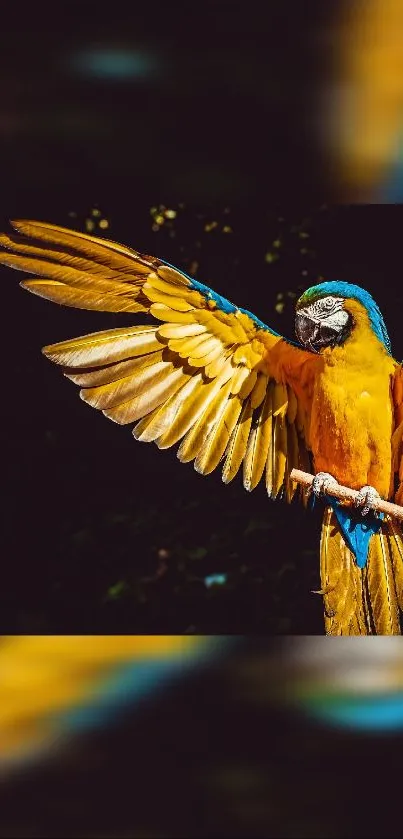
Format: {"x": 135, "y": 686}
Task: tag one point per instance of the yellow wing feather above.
{"x": 154, "y": 426}
{"x": 238, "y": 443}
{"x": 222, "y": 425}
{"x": 99, "y": 348}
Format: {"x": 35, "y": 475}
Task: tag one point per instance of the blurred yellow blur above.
{"x": 46, "y": 680}
{"x": 364, "y": 104}
{"x": 312, "y": 722}
{"x": 44, "y": 676}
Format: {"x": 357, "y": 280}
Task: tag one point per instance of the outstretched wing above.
{"x": 211, "y": 375}
{"x": 397, "y": 439}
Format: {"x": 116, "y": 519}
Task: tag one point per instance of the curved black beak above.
{"x": 306, "y": 329}
{"x": 314, "y": 335}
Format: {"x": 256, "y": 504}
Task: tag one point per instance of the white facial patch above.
{"x": 337, "y": 320}
{"x": 328, "y": 310}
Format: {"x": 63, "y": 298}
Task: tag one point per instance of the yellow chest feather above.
{"x": 352, "y": 415}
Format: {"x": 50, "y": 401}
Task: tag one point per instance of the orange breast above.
{"x": 352, "y": 413}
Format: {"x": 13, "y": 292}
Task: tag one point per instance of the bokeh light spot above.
{"x": 118, "y": 64}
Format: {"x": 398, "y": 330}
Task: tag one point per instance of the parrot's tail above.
{"x": 361, "y": 601}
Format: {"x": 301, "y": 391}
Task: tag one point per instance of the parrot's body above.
{"x": 219, "y": 380}
{"x": 352, "y": 416}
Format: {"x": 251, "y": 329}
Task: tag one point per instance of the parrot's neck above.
{"x": 362, "y": 351}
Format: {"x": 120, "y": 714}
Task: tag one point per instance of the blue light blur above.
{"x": 391, "y": 192}
{"x": 215, "y": 580}
{"x": 378, "y": 713}
{"x": 114, "y": 63}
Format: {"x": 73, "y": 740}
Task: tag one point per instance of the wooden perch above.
{"x": 338, "y": 491}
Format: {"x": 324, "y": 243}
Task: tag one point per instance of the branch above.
{"x": 338, "y": 491}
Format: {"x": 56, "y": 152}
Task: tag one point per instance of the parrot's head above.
{"x": 326, "y": 318}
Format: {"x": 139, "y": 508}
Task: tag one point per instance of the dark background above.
{"x": 210, "y": 113}
{"x": 134, "y": 102}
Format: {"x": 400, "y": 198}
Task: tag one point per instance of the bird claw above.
{"x": 321, "y": 483}
{"x": 366, "y": 499}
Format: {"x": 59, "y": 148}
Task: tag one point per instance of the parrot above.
{"x": 231, "y": 391}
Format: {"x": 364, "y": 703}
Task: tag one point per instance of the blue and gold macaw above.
{"x": 221, "y": 382}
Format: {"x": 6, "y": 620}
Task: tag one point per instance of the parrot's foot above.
{"x": 366, "y": 498}
{"x": 322, "y": 482}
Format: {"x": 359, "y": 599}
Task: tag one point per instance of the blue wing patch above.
{"x": 228, "y": 307}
